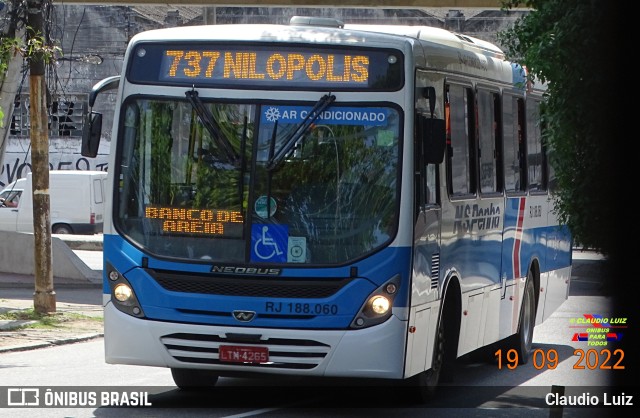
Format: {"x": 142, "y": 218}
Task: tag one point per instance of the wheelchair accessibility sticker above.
{"x": 272, "y": 243}
{"x": 269, "y": 243}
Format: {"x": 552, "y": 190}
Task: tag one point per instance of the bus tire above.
{"x": 423, "y": 385}
{"x": 522, "y": 341}
{"x": 194, "y": 379}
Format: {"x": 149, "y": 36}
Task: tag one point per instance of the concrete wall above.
{"x": 16, "y": 256}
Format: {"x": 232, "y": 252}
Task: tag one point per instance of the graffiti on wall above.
{"x": 62, "y": 156}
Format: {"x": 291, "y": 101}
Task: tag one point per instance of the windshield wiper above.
{"x": 300, "y": 130}
{"x": 229, "y": 155}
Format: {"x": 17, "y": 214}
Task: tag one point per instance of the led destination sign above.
{"x": 244, "y": 66}
{"x": 252, "y": 65}
{"x": 194, "y": 221}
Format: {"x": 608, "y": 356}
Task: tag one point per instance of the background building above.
{"x": 93, "y": 40}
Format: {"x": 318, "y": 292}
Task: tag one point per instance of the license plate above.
{"x": 243, "y": 354}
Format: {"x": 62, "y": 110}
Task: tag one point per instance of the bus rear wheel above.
{"x": 522, "y": 342}
{"x": 193, "y": 379}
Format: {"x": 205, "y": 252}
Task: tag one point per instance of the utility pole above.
{"x": 44, "y": 297}
{"x": 209, "y": 15}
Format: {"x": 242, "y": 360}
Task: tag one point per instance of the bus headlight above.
{"x": 377, "y": 308}
{"x": 122, "y": 292}
{"x": 380, "y": 304}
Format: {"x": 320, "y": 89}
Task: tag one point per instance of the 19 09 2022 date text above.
{"x": 591, "y": 359}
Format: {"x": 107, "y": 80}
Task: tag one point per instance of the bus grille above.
{"x": 241, "y": 286}
{"x": 284, "y": 353}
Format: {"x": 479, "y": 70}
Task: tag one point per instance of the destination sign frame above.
{"x": 250, "y": 66}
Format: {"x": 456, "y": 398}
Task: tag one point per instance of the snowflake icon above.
{"x": 272, "y": 114}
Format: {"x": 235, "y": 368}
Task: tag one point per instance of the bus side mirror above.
{"x": 429, "y": 93}
{"x": 434, "y": 139}
{"x": 91, "y": 132}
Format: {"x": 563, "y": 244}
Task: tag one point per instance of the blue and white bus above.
{"x": 321, "y": 199}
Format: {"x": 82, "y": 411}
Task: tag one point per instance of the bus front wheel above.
{"x": 193, "y": 379}
{"x": 424, "y": 384}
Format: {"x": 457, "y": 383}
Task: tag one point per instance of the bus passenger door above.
{"x": 429, "y": 146}
{"x": 425, "y": 271}
{"x": 428, "y": 151}
{"x": 426, "y": 237}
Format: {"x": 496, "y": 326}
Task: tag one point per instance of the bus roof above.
{"x": 259, "y": 32}
{"x": 480, "y": 57}
{"x": 435, "y": 35}
{"x": 314, "y": 33}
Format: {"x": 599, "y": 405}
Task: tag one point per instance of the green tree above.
{"x": 577, "y": 47}
{"x": 569, "y": 44}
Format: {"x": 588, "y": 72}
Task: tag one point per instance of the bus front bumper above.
{"x": 375, "y": 352}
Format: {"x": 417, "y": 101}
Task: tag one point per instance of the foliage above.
{"x": 37, "y": 48}
{"x": 8, "y": 47}
{"x": 217, "y": 186}
{"x": 160, "y": 125}
{"x": 567, "y": 44}
{"x": 44, "y": 319}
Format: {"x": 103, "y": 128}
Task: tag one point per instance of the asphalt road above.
{"x": 481, "y": 388}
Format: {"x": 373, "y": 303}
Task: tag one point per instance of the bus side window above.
{"x": 489, "y": 141}
{"x": 551, "y": 173}
{"x": 431, "y": 184}
{"x": 536, "y": 161}
{"x": 513, "y": 144}
{"x": 460, "y": 140}
{"x": 425, "y": 174}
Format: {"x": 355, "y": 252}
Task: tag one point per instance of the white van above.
{"x": 76, "y": 203}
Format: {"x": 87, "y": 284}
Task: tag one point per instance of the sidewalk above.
{"x": 79, "y": 312}
{"x": 78, "y": 315}
{"x": 85, "y": 300}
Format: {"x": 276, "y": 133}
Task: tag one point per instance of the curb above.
{"x": 56, "y": 285}
{"x": 34, "y": 346}
{"x": 81, "y": 242}
{"x": 11, "y": 324}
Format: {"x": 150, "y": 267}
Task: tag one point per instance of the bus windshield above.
{"x": 214, "y": 192}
